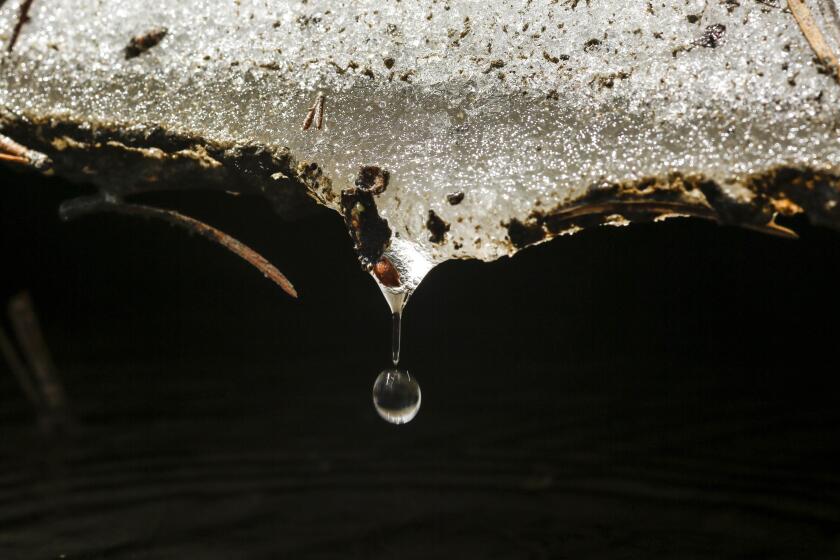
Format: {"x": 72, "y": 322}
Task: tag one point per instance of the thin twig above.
{"x": 319, "y": 111}
{"x": 307, "y": 122}
{"x": 31, "y": 339}
{"x": 805, "y": 19}
{"x": 23, "y": 17}
{"x": 14, "y": 159}
{"x": 12, "y": 152}
{"x": 316, "y": 113}
{"x": 571, "y": 214}
{"x": 86, "y": 205}
{"x": 19, "y": 369}
{"x": 13, "y": 148}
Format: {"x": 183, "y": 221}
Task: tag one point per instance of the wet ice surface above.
{"x": 516, "y": 104}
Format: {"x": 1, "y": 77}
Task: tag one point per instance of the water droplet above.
{"x": 396, "y": 396}
{"x": 396, "y": 321}
{"x": 399, "y": 271}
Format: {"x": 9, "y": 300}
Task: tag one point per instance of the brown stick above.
{"x": 23, "y": 17}
{"x": 19, "y": 369}
{"x": 316, "y": 113}
{"x": 805, "y": 19}
{"x": 86, "y": 205}
{"x": 13, "y": 148}
{"x": 31, "y": 339}
{"x": 570, "y": 214}
{"x": 319, "y": 111}
{"x": 13, "y": 159}
{"x": 12, "y": 152}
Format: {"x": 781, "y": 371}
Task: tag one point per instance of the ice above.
{"x": 517, "y": 104}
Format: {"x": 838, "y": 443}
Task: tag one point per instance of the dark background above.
{"x": 663, "y": 390}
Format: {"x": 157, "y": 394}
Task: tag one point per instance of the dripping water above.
{"x": 396, "y": 303}
{"x": 396, "y": 327}
{"x": 396, "y": 394}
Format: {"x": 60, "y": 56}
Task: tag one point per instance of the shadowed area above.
{"x": 659, "y": 391}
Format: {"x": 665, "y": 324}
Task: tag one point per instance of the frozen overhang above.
{"x": 474, "y": 128}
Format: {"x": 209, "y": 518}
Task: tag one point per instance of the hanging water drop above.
{"x": 396, "y": 396}
{"x": 396, "y": 328}
{"x": 396, "y": 302}
{"x": 398, "y": 272}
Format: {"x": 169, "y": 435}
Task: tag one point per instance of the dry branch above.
{"x": 14, "y": 159}
{"x": 12, "y": 152}
{"x": 86, "y": 205}
{"x": 18, "y": 369}
{"x": 569, "y": 215}
{"x": 23, "y": 17}
{"x": 31, "y": 339}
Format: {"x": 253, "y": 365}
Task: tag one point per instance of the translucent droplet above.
{"x": 403, "y": 269}
{"x": 396, "y": 332}
{"x": 396, "y": 396}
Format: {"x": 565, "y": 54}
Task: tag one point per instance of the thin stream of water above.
{"x": 396, "y": 394}
{"x": 396, "y": 327}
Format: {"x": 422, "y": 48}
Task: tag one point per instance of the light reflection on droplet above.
{"x": 396, "y": 396}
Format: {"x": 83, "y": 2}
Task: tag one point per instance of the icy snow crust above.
{"x": 517, "y": 104}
